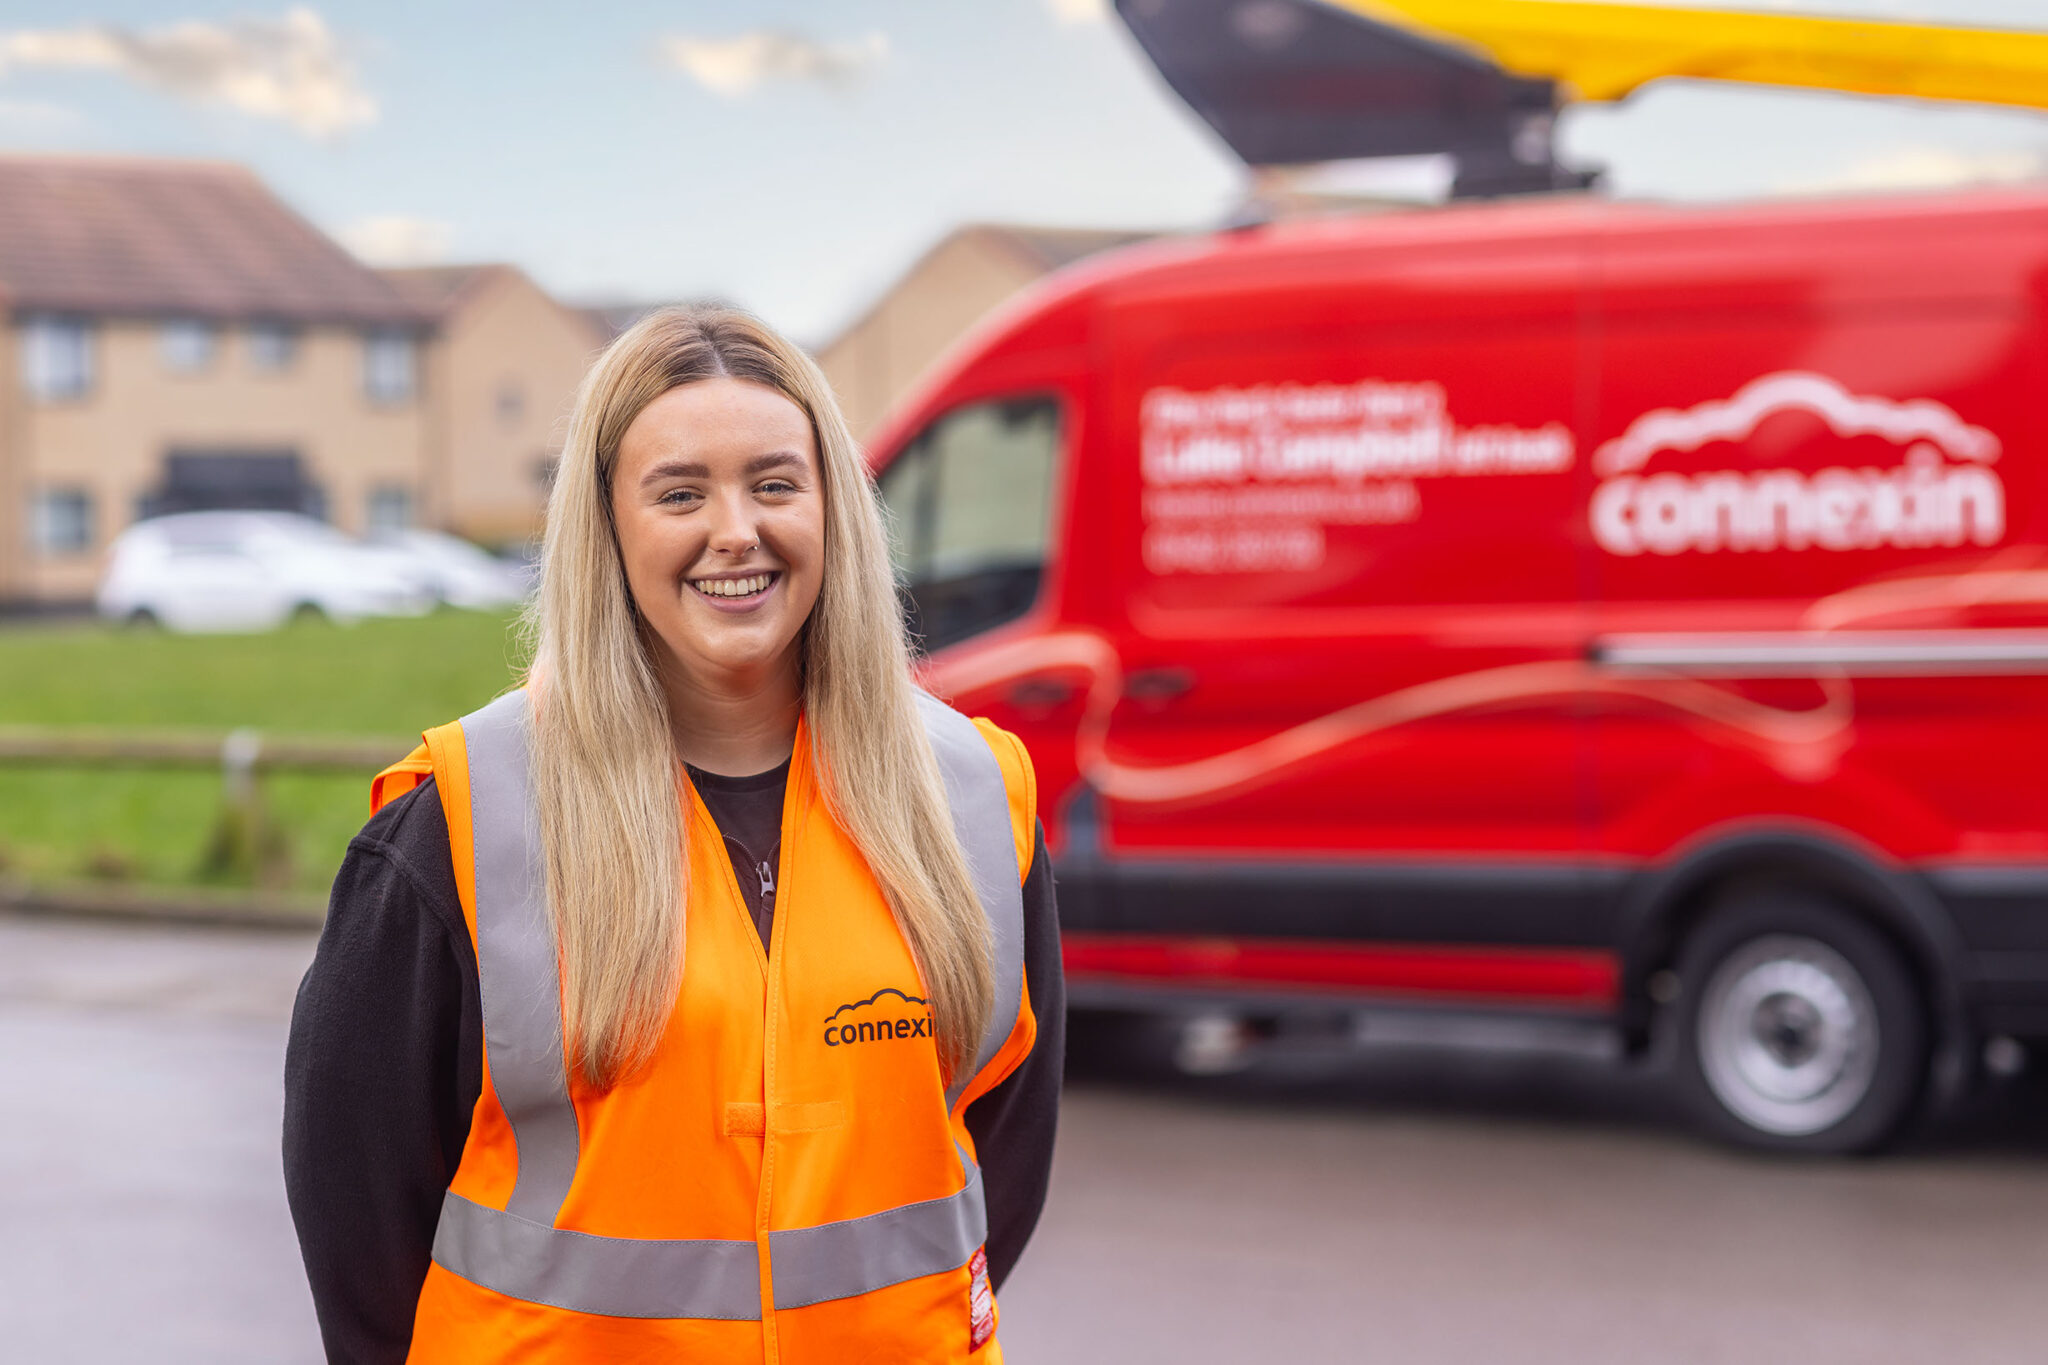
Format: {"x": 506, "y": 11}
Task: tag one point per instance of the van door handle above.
{"x": 1040, "y": 693}
{"x": 1158, "y": 684}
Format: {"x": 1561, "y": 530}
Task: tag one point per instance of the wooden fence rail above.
{"x": 229, "y": 750}
{"x": 246, "y": 845}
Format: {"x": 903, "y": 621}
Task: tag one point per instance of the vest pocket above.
{"x": 748, "y": 1120}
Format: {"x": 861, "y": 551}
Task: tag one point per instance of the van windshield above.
{"x": 970, "y": 500}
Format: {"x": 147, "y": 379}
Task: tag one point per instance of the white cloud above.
{"x": 394, "y": 240}
{"x": 1079, "y": 11}
{"x": 1916, "y": 165}
{"x": 733, "y": 66}
{"x": 291, "y": 69}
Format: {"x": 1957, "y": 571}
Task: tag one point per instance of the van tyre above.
{"x": 1800, "y": 1027}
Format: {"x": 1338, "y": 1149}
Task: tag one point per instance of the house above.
{"x": 174, "y": 337}
{"x": 971, "y": 270}
{"x": 502, "y": 366}
{"x": 182, "y": 339}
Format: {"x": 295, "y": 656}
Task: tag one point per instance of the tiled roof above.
{"x": 134, "y": 237}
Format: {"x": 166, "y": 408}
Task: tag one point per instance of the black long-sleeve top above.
{"x": 385, "y": 1064}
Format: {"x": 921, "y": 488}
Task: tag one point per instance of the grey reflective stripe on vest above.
{"x": 619, "y": 1277}
{"x": 980, "y": 803}
{"x": 517, "y": 1251}
{"x": 515, "y": 959}
{"x": 860, "y": 1255}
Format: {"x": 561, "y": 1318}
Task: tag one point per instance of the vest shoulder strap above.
{"x": 979, "y": 797}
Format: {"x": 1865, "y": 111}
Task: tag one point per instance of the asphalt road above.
{"x": 1391, "y": 1208}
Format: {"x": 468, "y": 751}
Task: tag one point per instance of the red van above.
{"x": 1622, "y": 621}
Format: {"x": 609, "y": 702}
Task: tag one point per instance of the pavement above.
{"x": 1390, "y": 1207}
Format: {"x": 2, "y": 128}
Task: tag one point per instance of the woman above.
{"x": 700, "y": 1000}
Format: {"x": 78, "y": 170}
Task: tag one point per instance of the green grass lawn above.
{"x": 376, "y": 679}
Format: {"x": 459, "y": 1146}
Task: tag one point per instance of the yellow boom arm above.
{"x": 1603, "y": 51}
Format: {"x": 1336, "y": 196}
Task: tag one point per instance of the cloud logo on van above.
{"x": 1847, "y": 414}
{"x": 886, "y": 990}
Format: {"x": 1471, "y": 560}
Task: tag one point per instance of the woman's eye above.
{"x": 676, "y": 497}
{"x": 778, "y": 486}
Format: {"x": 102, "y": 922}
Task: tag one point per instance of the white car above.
{"x": 460, "y": 574}
{"x": 232, "y": 571}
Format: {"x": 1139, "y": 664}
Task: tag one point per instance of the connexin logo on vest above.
{"x": 840, "y": 1031}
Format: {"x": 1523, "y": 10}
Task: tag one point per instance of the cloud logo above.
{"x": 1847, "y": 414}
{"x": 886, "y": 990}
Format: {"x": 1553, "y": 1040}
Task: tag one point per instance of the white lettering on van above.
{"x": 1941, "y": 494}
{"x": 1346, "y": 432}
{"x": 1918, "y": 505}
{"x": 1250, "y": 480}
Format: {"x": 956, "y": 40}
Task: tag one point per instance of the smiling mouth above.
{"x": 735, "y": 589}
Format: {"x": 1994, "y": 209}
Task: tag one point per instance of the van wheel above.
{"x": 1800, "y": 1027}
{"x": 308, "y": 614}
{"x": 142, "y": 618}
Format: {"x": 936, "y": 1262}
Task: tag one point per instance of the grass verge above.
{"x": 374, "y": 679}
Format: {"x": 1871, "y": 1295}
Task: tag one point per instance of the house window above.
{"x": 272, "y": 346}
{"x": 390, "y": 508}
{"x": 56, "y": 357}
{"x": 186, "y": 345}
{"x": 511, "y": 402}
{"x": 388, "y": 365}
{"x": 60, "y": 521}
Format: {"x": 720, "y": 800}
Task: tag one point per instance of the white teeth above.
{"x": 732, "y": 587}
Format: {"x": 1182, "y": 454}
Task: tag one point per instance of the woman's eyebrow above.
{"x": 690, "y": 469}
{"x": 675, "y": 469}
{"x": 776, "y": 459}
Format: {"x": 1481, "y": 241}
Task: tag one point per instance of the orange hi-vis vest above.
{"x": 791, "y": 1179}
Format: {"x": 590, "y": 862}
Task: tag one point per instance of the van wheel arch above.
{"x": 1667, "y": 906}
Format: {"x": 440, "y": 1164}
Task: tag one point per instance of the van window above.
{"x": 970, "y": 500}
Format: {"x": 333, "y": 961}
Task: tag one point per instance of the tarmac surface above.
{"x": 1401, "y": 1207}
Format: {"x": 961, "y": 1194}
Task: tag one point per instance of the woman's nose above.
{"x": 734, "y": 530}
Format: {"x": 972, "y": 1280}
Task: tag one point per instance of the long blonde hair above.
{"x": 605, "y": 764}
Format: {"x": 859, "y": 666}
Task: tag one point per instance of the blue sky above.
{"x": 618, "y": 150}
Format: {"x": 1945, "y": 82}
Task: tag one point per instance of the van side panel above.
{"x": 1821, "y": 559}
{"x": 1350, "y": 625}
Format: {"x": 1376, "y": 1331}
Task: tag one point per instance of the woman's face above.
{"x": 720, "y": 512}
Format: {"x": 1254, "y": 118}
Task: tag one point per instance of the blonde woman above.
{"x": 699, "y": 1000}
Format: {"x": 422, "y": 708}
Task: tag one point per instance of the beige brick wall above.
{"x": 875, "y": 361}
{"x": 112, "y": 443}
{"x": 505, "y": 367}
{"x": 13, "y": 440}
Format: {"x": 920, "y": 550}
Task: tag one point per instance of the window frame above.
{"x": 284, "y": 335}
{"x": 382, "y": 496}
{"x": 920, "y": 527}
{"x": 187, "y": 345}
{"x": 397, "y": 340}
{"x": 40, "y": 521}
{"x": 37, "y": 335}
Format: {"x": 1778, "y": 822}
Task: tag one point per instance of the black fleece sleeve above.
{"x": 382, "y": 1071}
{"x": 1013, "y": 1125}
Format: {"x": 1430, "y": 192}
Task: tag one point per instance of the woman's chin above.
{"x": 733, "y": 664}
